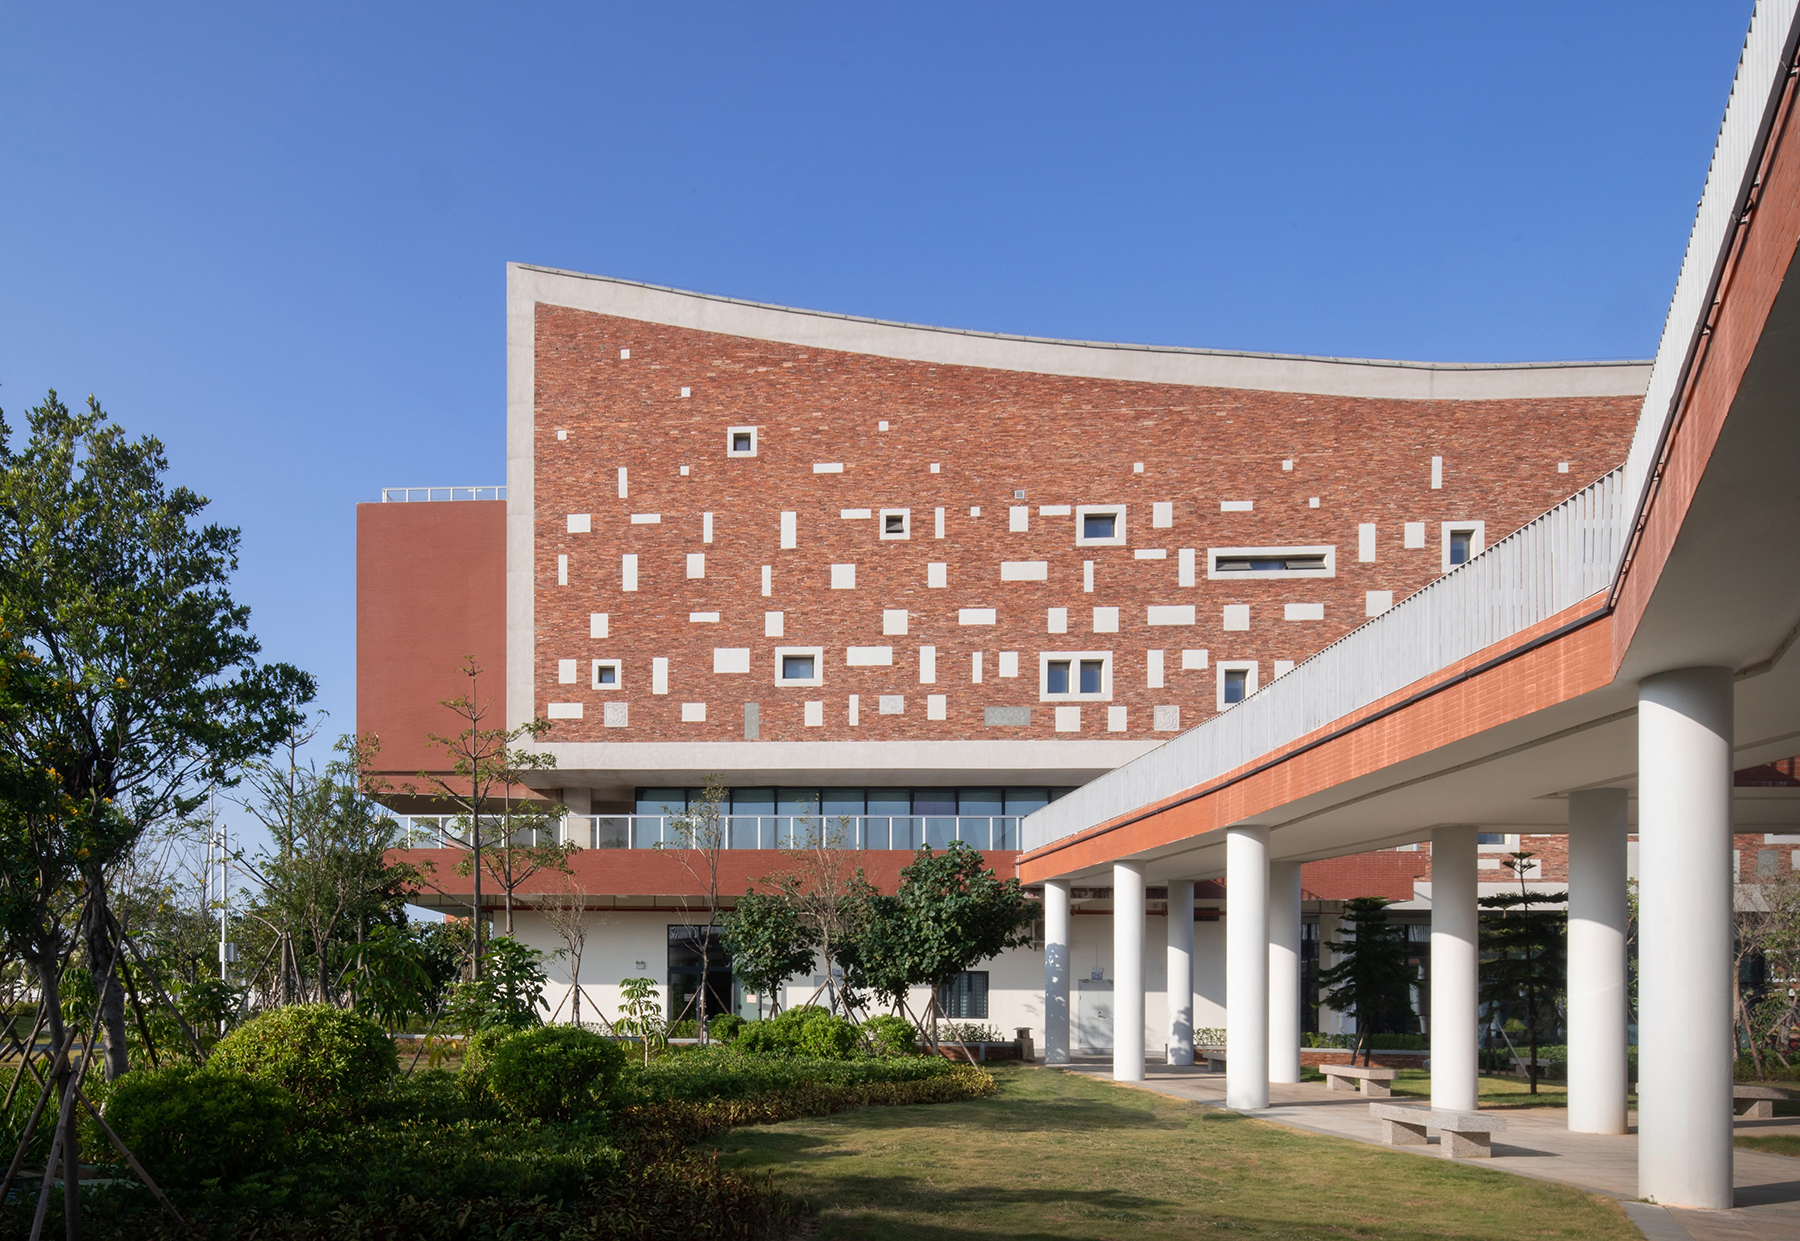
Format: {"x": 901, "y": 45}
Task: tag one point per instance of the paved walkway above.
{"x": 1535, "y": 1143}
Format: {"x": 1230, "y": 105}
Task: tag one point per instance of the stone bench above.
{"x": 1373, "y": 1082}
{"x": 1215, "y": 1058}
{"x": 1756, "y": 1102}
{"x": 1466, "y": 1135}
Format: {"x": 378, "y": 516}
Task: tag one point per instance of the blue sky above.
{"x": 274, "y": 236}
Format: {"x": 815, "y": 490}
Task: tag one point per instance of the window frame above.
{"x": 905, "y": 516}
{"x": 987, "y": 991}
{"x": 818, "y": 658}
{"x": 1074, "y": 659}
{"x": 1477, "y": 532}
{"x": 731, "y": 434}
{"x": 618, "y": 667}
{"x": 1215, "y": 554}
{"x": 1221, "y": 667}
{"x": 1081, "y": 515}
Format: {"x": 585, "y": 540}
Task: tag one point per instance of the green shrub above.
{"x": 329, "y": 1059}
{"x": 891, "y": 1036}
{"x": 828, "y": 1038}
{"x": 806, "y": 1030}
{"x": 703, "y": 1073}
{"x": 554, "y": 1072}
{"x": 187, "y": 1124}
{"x": 725, "y": 1026}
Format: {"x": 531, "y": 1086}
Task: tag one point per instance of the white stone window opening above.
{"x": 1075, "y": 676}
{"x": 1236, "y": 681}
{"x": 896, "y": 523}
{"x": 1462, "y": 541}
{"x": 1259, "y": 563}
{"x": 608, "y": 673}
{"x": 799, "y": 665}
{"x": 740, "y": 441}
{"x": 1100, "y": 525}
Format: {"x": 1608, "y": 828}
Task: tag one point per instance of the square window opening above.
{"x": 740, "y": 441}
{"x": 896, "y": 523}
{"x": 797, "y": 667}
{"x": 607, "y": 673}
{"x": 1098, "y": 525}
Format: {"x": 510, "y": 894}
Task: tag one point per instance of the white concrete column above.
{"x": 1128, "y": 971}
{"x": 1598, "y": 1071}
{"x": 1180, "y": 986}
{"x": 1686, "y": 1050}
{"x": 1247, "y": 968}
{"x": 1056, "y": 971}
{"x": 1284, "y": 971}
{"x": 1455, "y": 969}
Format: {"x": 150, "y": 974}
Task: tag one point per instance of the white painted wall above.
{"x": 618, "y": 939}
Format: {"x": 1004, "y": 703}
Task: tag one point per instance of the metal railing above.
{"x": 1553, "y": 563}
{"x": 742, "y": 831}
{"x": 415, "y": 495}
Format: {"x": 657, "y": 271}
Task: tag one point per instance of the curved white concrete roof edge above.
{"x": 1213, "y": 368}
{"x": 1445, "y": 622}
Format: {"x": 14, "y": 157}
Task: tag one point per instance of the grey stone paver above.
{"x": 1535, "y": 1143}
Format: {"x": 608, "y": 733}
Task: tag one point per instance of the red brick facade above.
{"x": 990, "y": 434}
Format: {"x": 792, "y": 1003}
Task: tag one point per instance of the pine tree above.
{"x": 1523, "y": 957}
{"x": 1371, "y": 980}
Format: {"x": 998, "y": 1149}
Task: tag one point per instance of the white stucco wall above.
{"x": 618, "y": 940}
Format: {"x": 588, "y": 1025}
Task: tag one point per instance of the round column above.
{"x": 1455, "y": 969}
{"x": 1598, "y": 1070}
{"x": 1284, "y": 971}
{"x": 1686, "y": 1052}
{"x": 1181, "y": 971}
{"x": 1056, "y": 971}
{"x": 1128, "y": 971}
{"x": 1247, "y": 968}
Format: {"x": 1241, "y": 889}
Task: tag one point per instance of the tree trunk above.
{"x": 102, "y": 951}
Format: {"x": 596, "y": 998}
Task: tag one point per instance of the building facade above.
{"x": 909, "y": 585}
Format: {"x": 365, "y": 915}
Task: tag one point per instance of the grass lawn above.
{"x": 1059, "y": 1156}
{"x": 1493, "y": 1091}
{"x": 1771, "y": 1143}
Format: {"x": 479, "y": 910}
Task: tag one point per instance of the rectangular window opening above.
{"x": 1098, "y": 525}
{"x": 1459, "y": 546}
{"x": 1235, "y": 680}
{"x": 797, "y": 667}
{"x": 1090, "y": 676}
{"x": 1058, "y": 680}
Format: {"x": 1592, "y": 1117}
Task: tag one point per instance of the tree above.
{"x": 327, "y": 881}
{"x": 1370, "y": 979}
{"x": 566, "y": 910}
{"x": 768, "y": 943}
{"x": 825, "y": 887}
{"x": 949, "y": 915}
{"x": 640, "y": 1016}
{"x": 1768, "y": 935}
{"x": 486, "y": 766}
{"x": 1524, "y": 950}
{"x": 699, "y": 833}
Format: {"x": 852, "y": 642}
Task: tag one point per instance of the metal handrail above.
{"x": 741, "y": 831}
{"x": 1545, "y": 567}
{"x": 416, "y": 495}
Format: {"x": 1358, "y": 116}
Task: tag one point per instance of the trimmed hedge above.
{"x": 684, "y": 1121}
{"x": 699, "y": 1074}
{"x": 189, "y": 1124}
{"x": 554, "y": 1072}
{"x": 329, "y": 1059}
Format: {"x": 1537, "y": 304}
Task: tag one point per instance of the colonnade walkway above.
{"x": 1536, "y": 1142}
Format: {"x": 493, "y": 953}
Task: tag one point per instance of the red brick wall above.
{"x": 1063, "y": 441}
{"x": 430, "y": 593}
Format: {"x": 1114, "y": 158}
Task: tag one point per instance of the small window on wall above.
{"x": 799, "y": 665}
{"x": 1261, "y": 563}
{"x": 965, "y": 997}
{"x": 896, "y": 523}
{"x": 607, "y": 674}
{"x": 1100, "y": 525}
{"x": 1075, "y": 675}
{"x": 740, "y": 441}
{"x": 1462, "y": 542}
{"x": 1237, "y": 681}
